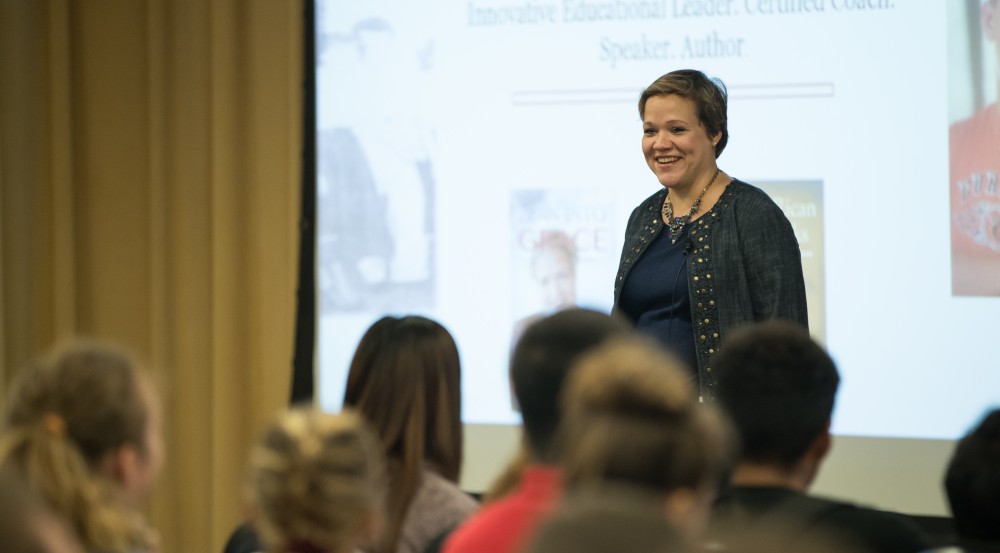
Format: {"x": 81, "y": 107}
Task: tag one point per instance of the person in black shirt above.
{"x": 973, "y": 485}
{"x": 779, "y": 386}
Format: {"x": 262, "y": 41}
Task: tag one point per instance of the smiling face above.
{"x": 676, "y": 146}
{"x": 556, "y": 278}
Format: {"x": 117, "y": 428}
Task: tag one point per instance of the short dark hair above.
{"x": 973, "y": 481}
{"x": 708, "y": 95}
{"x": 541, "y": 360}
{"x": 778, "y": 386}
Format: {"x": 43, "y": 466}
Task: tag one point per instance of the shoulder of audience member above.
{"x": 477, "y": 532}
{"x": 883, "y": 531}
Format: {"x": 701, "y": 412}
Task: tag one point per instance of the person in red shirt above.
{"x": 974, "y": 145}
{"x": 541, "y": 361}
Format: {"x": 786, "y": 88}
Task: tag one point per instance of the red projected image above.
{"x": 974, "y": 144}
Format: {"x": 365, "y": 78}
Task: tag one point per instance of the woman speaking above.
{"x": 707, "y": 252}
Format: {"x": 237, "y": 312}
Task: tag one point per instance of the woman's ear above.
{"x": 112, "y": 466}
{"x": 123, "y": 467}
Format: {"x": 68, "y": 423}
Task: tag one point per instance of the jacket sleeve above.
{"x": 622, "y": 265}
{"x": 773, "y": 262}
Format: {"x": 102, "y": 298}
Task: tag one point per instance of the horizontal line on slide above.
{"x": 628, "y": 95}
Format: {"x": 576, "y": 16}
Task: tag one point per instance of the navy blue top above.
{"x": 655, "y": 295}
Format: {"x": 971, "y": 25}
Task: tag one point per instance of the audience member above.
{"x": 317, "y": 483}
{"x": 405, "y": 379}
{"x": 540, "y": 363}
{"x": 973, "y": 485}
{"x": 642, "y": 459}
{"x": 83, "y": 429}
{"x": 243, "y": 540}
{"x": 779, "y": 386}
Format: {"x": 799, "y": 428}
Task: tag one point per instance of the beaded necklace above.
{"x": 676, "y": 224}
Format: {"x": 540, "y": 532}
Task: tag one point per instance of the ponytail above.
{"x": 55, "y": 469}
{"x": 64, "y": 416}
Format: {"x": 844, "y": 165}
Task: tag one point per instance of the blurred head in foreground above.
{"x": 317, "y": 483}
{"x": 973, "y": 481}
{"x": 83, "y": 429}
{"x": 631, "y": 417}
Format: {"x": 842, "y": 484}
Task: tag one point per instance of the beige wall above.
{"x": 149, "y": 194}
{"x": 904, "y": 475}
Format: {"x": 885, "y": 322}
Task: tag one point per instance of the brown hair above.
{"x": 64, "y": 415}
{"x": 315, "y": 479}
{"x": 708, "y": 95}
{"x": 631, "y": 416}
{"x": 405, "y": 379}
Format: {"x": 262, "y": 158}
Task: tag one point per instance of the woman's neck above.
{"x": 682, "y": 199}
{"x": 691, "y": 192}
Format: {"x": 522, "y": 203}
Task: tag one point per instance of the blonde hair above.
{"x": 65, "y": 414}
{"x": 315, "y": 479}
{"x": 631, "y": 415}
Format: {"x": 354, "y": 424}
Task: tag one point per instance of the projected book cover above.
{"x": 802, "y": 202}
{"x": 562, "y": 246}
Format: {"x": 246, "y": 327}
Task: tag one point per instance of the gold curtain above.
{"x": 150, "y": 156}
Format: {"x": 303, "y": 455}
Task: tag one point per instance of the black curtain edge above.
{"x": 303, "y": 363}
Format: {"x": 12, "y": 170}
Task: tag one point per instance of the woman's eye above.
{"x": 677, "y": 130}
{"x": 648, "y": 132}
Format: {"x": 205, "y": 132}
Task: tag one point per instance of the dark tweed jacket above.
{"x": 744, "y": 266}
